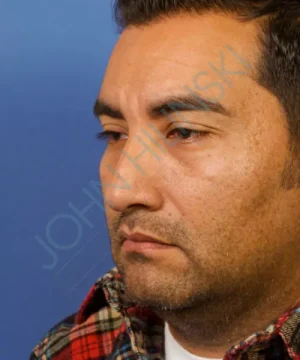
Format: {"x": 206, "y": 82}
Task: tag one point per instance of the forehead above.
{"x": 180, "y": 52}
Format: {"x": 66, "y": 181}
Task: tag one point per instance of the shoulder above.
{"x": 94, "y": 332}
{"x": 93, "y": 338}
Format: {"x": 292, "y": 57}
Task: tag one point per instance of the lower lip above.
{"x": 130, "y": 245}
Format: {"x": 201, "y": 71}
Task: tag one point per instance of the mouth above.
{"x": 140, "y": 237}
{"x": 139, "y": 242}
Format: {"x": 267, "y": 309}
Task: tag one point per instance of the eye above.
{"x": 109, "y": 135}
{"x": 183, "y": 134}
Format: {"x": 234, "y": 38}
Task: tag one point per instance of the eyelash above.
{"x": 110, "y": 135}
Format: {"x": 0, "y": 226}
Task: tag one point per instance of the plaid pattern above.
{"x": 108, "y": 327}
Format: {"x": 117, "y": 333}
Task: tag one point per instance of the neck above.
{"x": 217, "y": 326}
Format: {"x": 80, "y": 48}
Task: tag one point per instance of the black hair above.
{"x": 278, "y": 68}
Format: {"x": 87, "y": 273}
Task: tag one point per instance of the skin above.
{"x": 218, "y": 199}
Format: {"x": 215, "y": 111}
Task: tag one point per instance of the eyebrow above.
{"x": 171, "y": 104}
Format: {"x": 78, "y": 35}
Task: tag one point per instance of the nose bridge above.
{"x": 143, "y": 152}
{"x": 140, "y": 159}
{"x": 140, "y": 156}
{"x": 136, "y": 172}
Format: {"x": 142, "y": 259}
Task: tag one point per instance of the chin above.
{"x": 154, "y": 288}
{"x": 157, "y": 301}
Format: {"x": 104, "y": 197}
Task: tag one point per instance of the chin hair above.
{"x": 158, "y": 305}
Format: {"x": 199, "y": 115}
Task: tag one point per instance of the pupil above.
{"x": 184, "y": 132}
{"x": 115, "y": 137}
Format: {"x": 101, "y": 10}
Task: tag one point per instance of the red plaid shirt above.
{"x": 108, "y": 328}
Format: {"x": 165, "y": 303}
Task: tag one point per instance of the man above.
{"x": 200, "y": 105}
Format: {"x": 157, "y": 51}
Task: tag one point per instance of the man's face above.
{"x": 214, "y": 192}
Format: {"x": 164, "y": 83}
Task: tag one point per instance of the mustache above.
{"x": 149, "y": 223}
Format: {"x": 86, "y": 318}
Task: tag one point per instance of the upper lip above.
{"x": 140, "y": 237}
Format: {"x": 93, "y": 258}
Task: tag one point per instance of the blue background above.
{"x": 53, "y": 56}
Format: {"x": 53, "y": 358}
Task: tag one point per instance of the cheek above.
{"x": 102, "y": 167}
{"x": 220, "y": 189}
{"x": 105, "y": 177}
{"x": 105, "y": 174}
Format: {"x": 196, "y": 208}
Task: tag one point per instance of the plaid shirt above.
{"x": 107, "y": 327}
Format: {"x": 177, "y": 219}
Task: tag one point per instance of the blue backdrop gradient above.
{"x": 54, "y": 241}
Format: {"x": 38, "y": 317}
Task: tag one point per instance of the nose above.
{"x": 132, "y": 175}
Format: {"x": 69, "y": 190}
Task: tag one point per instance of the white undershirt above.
{"x": 174, "y": 351}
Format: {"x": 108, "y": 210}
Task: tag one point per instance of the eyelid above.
{"x": 109, "y": 134}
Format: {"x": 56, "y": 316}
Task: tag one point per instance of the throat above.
{"x": 203, "y": 336}
{"x": 174, "y": 350}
